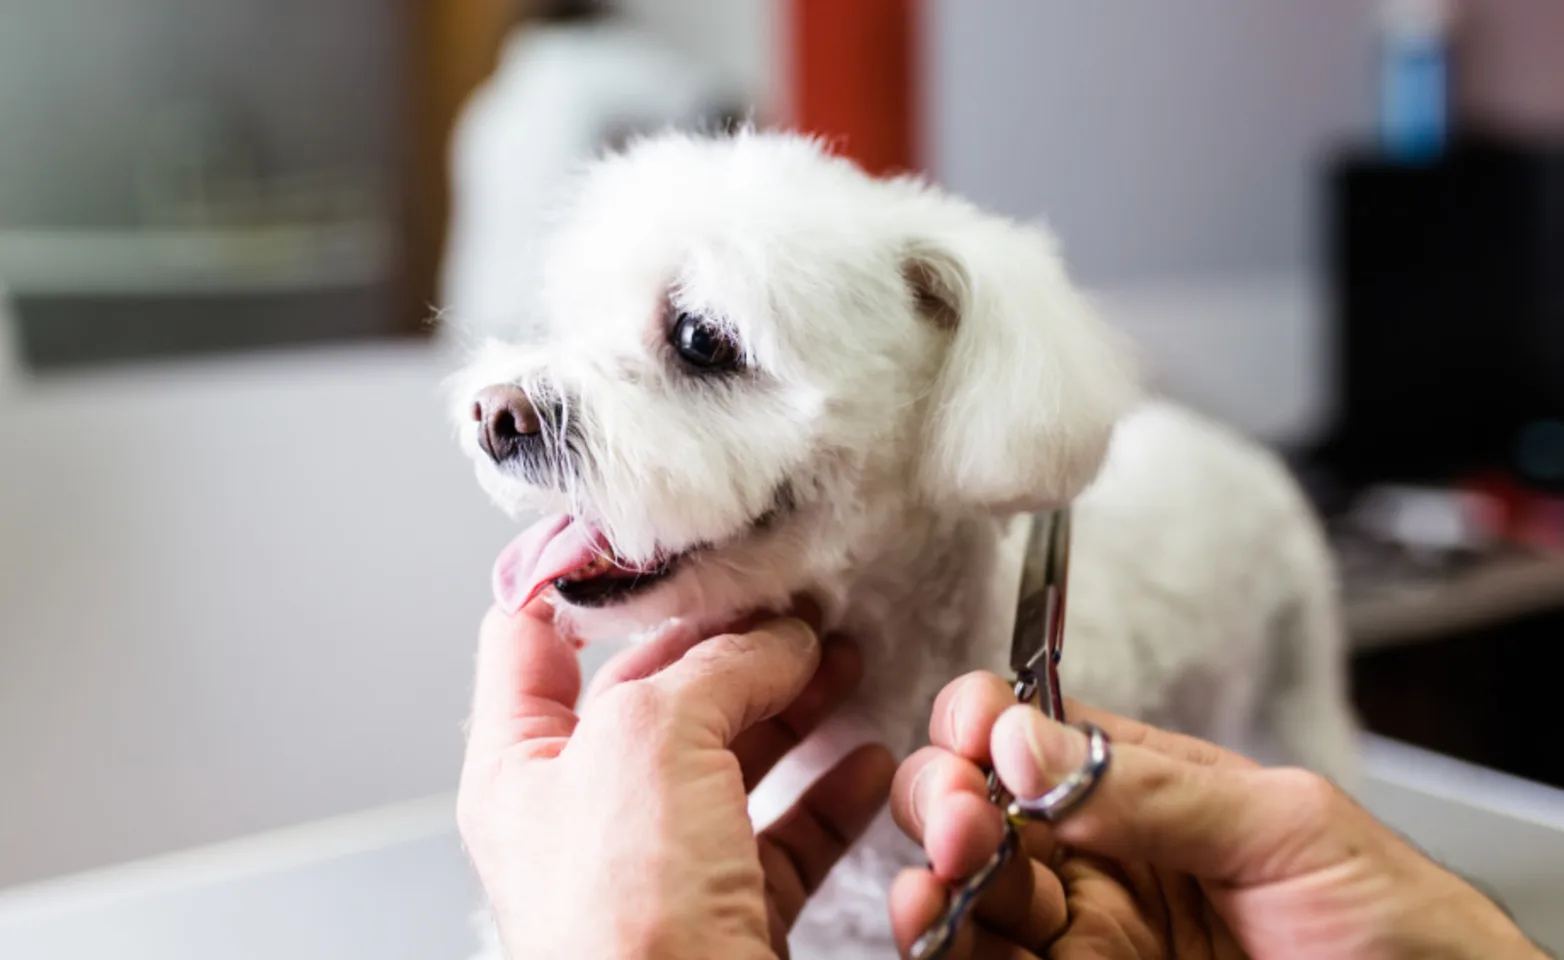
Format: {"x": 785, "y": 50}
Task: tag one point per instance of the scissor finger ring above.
{"x": 1073, "y": 790}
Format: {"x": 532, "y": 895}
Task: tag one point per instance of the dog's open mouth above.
{"x": 575, "y": 559}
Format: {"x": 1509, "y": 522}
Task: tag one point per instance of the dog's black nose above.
{"x": 506, "y": 420}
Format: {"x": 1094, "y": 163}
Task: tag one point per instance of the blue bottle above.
{"x": 1414, "y": 79}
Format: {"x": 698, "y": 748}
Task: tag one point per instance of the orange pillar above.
{"x": 855, "y": 76}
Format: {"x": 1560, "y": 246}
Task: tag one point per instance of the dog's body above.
{"x": 760, "y": 373}
{"x": 1200, "y": 599}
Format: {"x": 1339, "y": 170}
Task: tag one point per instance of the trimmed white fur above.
{"x": 917, "y": 373}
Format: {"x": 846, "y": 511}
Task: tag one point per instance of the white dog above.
{"x": 758, "y": 372}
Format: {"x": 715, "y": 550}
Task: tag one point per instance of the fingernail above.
{"x": 1056, "y": 749}
{"x": 957, "y": 741}
{"x": 795, "y": 629}
{"x": 540, "y": 608}
{"x": 915, "y": 793}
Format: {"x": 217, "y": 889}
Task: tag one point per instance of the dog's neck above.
{"x": 930, "y": 601}
{"x": 933, "y": 601}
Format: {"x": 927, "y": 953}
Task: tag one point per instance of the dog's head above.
{"x": 752, "y": 361}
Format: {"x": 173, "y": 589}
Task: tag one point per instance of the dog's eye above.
{"x": 703, "y": 344}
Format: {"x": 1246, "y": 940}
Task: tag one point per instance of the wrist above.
{"x": 680, "y": 941}
{"x": 1494, "y": 931}
{"x": 645, "y": 929}
{"x": 1454, "y": 919}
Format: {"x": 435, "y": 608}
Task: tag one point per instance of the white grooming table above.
{"x": 388, "y": 884}
{"x": 394, "y": 883}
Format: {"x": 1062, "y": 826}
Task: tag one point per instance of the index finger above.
{"x": 967, "y": 708}
{"x": 674, "y": 639}
{"x": 1223, "y": 823}
{"x": 528, "y": 679}
{"x": 1178, "y": 746}
{"x": 734, "y": 681}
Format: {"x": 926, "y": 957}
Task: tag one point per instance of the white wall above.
{"x": 1159, "y": 139}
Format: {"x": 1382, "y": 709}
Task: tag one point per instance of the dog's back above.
{"x": 1203, "y": 596}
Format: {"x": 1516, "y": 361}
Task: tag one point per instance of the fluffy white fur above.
{"x": 918, "y": 373}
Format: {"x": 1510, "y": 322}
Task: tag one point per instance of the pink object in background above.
{"x": 1509, "y": 76}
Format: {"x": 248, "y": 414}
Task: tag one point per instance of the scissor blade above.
{"x": 1037, "y": 589}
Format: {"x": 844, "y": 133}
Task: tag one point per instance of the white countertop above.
{"x": 387, "y": 884}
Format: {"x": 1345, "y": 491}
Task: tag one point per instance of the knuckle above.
{"x": 709, "y": 656}
{"x": 1159, "y": 780}
{"x": 1193, "y": 750}
{"x": 1206, "y": 754}
{"x": 633, "y": 705}
{"x": 1313, "y": 799}
{"x": 728, "y": 646}
{"x": 1136, "y": 734}
{"x": 725, "y": 654}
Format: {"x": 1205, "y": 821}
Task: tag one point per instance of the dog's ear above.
{"x": 1032, "y": 381}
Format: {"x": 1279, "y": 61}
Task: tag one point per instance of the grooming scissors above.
{"x": 1036, "y": 645}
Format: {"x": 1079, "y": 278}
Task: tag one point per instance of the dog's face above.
{"x": 751, "y": 362}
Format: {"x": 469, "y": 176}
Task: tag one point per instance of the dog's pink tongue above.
{"x": 545, "y": 551}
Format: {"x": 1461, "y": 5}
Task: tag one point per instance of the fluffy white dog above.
{"x": 758, "y": 372}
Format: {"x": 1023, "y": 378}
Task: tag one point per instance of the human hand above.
{"x": 1183, "y": 850}
{"x": 624, "y": 830}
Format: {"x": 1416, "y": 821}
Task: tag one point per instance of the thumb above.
{"x": 1228, "y": 824}
{"x": 732, "y": 682}
{"x": 528, "y": 679}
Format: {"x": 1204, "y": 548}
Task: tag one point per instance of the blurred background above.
{"x": 243, "y": 560}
